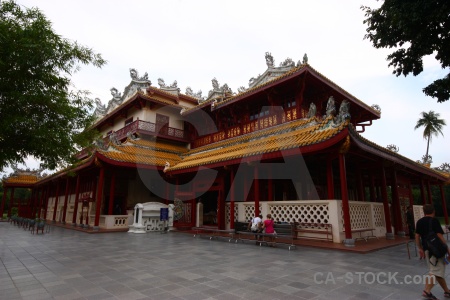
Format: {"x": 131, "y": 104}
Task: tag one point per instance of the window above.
{"x": 128, "y": 121}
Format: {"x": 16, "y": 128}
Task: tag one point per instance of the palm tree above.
{"x": 432, "y": 126}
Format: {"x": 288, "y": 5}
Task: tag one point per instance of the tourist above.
{"x": 268, "y": 228}
{"x": 255, "y": 226}
{"x": 436, "y": 266}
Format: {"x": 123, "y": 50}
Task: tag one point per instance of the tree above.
{"x": 415, "y": 28}
{"x": 40, "y": 114}
{"x": 432, "y": 126}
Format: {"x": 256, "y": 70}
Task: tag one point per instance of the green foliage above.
{"x": 432, "y": 126}
{"x": 415, "y": 28}
{"x": 39, "y": 113}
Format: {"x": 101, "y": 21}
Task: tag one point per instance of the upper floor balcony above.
{"x": 143, "y": 128}
{"x": 152, "y": 129}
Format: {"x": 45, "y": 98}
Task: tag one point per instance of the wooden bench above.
{"x": 314, "y": 228}
{"x": 360, "y": 231}
{"x": 284, "y": 234}
{"x": 214, "y": 233}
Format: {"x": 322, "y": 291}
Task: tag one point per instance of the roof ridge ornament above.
{"x": 344, "y": 113}
{"x": 269, "y": 60}
{"x": 331, "y": 108}
{"x": 393, "y": 148}
{"x": 312, "y": 110}
{"x": 197, "y": 95}
{"x": 171, "y": 88}
{"x": 28, "y": 172}
{"x": 134, "y": 74}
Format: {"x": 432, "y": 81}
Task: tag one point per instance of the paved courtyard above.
{"x": 67, "y": 264}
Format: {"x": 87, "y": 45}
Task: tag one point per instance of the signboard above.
{"x": 164, "y": 214}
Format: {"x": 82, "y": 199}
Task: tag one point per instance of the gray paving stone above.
{"x": 67, "y": 264}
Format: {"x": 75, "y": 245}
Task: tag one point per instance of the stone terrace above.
{"x": 68, "y": 264}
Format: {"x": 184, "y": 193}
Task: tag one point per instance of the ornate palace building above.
{"x": 290, "y": 144}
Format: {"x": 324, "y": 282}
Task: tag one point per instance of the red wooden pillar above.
{"x": 41, "y": 202}
{"x": 330, "y": 179}
{"x": 360, "y": 185}
{"x": 270, "y": 186}
{"x": 256, "y": 190}
{"x": 221, "y": 208}
{"x": 344, "y": 195}
{"x": 66, "y": 198}
{"x": 444, "y": 205}
{"x": 99, "y": 196}
{"x": 232, "y": 199}
{"x": 47, "y": 196}
{"x": 411, "y": 197}
{"x": 56, "y": 201}
{"x": 5, "y": 189}
{"x": 430, "y": 197}
{"x": 111, "y": 193}
{"x": 75, "y": 207}
{"x": 398, "y": 224}
{"x": 387, "y": 213}
{"x": 167, "y": 193}
{"x": 11, "y": 199}
{"x": 373, "y": 196}
{"x": 422, "y": 192}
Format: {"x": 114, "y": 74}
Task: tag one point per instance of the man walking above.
{"x": 436, "y": 266}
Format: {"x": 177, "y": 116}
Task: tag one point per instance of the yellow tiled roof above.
{"x": 287, "y": 136}
{"x": 22, "y": 179}
{"x": 143, "y": 152}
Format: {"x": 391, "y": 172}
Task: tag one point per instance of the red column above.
{"x": 422, "y": 193}
{"x": 360, "y": 185}
{"x": 232, "y": 199}
{"x": 444, "y": 205}
{"x": 11, "y": 200}
{"x": 167, "y": 193}
{"x": 5, "y": 189}
{"x": 344, "y": 194}
{"x": 373, "y": 196}
{"x": 430, "y": 197}
{"x": 111, "y": 193}
{"x": 56, "y": 201}
{"x": 256, "y": 190}
{"x": 221, "y": 208}
{"x": 41, "y": 202}
{"x": 75, "y": 207}
{"x": 384, "y": 195}
{"x": 99, "y": 196}
{"x": 330, "y": 179}
{"x": 398, "y": 224}
{"x": 47, "y": 195}
{"x": 270, "y": 186}
{"x": 66, "y": 198}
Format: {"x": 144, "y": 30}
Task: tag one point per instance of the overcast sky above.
{"x": 195, "y": 41}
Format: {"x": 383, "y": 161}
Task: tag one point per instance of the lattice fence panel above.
{"x": 306, "y": 213}
{"x": 378, "y": 215}
{"x": 359, "y": 216}
{"x": 228, "y": 213}
{"x": 249, "y": 212}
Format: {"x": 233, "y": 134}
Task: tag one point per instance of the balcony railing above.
{"x": 150, "y": 128}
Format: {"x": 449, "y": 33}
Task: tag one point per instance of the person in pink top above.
{"x": 268, "y": 228}
{"x": 268, "y": 224}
